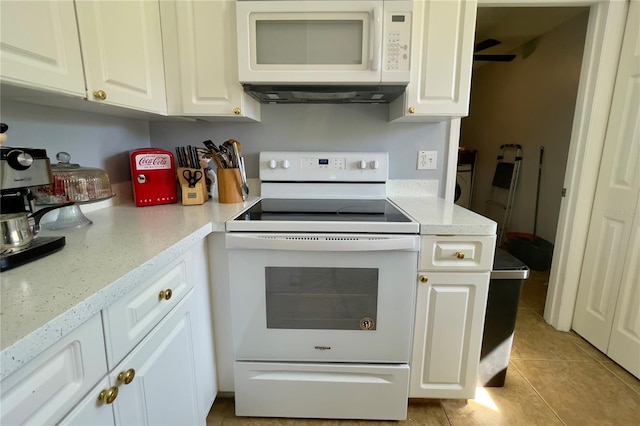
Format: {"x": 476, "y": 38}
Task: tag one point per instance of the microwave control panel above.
{"x": 397, "y": 46}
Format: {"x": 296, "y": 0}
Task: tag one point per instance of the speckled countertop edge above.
{"x": 438, "y": 216}
{"x": 40, "y": 303}
{"x": 124, "y": 246}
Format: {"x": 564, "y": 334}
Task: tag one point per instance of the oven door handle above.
{"x": 313, "y": 242}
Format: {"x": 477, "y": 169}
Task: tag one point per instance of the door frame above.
{"x": 595, "y": 91}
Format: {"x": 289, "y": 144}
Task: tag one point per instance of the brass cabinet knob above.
{"x": 165, "y": 294}
{"x": 108, "y": 395}
{"x": 460, "y": 255}
{"x": 424, "y": 279}
{"x": 412, "y": 110}
{"x": 237, "y": 111}
{"x": 127, "y": 376}
{"x": 100, "y": 95}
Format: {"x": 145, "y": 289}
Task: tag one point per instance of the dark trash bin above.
{"x": 505, "y": 287}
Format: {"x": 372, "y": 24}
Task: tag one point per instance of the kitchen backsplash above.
{"x": 318, "y": 128}
{"x": 93, "y": 140}
{"x": 104, "y": 141}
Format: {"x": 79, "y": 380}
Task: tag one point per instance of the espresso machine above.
{"x": 21, "y": 170}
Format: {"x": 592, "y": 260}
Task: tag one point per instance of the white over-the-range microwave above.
{"x": 326, "y": 46}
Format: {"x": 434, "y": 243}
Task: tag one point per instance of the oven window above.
{"x": 321, "y": 298}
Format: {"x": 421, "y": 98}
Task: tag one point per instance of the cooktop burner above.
{"x": 323, "y": 215}
{"x": 326, "y": 192}
{"x": 280, "y": 209}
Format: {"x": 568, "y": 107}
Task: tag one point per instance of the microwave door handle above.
{"x": 377, "y": 36}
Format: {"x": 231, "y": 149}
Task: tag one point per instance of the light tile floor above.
{"x": 554, "y": 378}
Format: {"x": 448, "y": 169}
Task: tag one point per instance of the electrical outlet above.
{"x": 427, "y": 160}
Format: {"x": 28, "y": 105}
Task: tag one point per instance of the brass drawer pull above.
{"x": 100, "y": 95}
{"x": 127, "y": 376}
{"x": 108, "y": 395}
{"x": 460, "y": 255}
{"x": 165, "y": 294}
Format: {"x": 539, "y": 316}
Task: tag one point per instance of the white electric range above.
{"x": 323, "y": 281}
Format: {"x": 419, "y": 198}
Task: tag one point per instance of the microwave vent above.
{"x": 285, "y": 94}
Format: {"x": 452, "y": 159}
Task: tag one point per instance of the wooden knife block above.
{"x": 229, "y": 186}
{"x": 193, "y": 195}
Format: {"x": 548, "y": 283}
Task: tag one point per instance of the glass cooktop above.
{"x": 325, "y": 210}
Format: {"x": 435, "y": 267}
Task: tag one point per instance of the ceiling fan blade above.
{"x": 494, "y": 58}
{"x": 485, "y": 44}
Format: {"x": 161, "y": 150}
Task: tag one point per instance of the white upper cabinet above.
{"x": 201, "y": 61}
{"x": 39, "y": 46}
{"x": 122, "y": 50}
{"x": 442, "y": 54}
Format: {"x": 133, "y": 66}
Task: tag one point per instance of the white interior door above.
{"x": 624, "y": 344}
{"x": 609, "y": 284}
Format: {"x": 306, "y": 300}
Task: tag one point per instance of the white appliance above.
{"x": 356, "y": 44}
{"x": 323, "y": 287}
{"x": 464, "y": 185}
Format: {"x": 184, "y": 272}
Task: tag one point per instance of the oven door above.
{"x": 322, "y": 298}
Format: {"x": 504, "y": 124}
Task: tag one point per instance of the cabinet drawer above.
{"x": 457, "y": 252}
{"x": 47, "y": 387}
{"x": 128, "y": 320}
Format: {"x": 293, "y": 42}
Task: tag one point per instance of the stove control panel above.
{"x": 324, "y": 166}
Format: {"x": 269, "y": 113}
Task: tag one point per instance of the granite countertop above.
{"x": 46, "y": 299}
{"x": 439, "y": 217}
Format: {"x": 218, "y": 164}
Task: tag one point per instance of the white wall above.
{"x": 529, "y": 101}
{"x": 104, "y": 141}
{"x": 93, "y": 140}
{"x": 318, "y": 127}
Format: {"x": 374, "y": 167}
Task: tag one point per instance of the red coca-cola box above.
{"x": 153, "y": 174}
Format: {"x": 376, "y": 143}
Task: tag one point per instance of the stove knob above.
{"x": 285, "y": 164}
{"x": 362, "y": 164}
{"x": 273, "y": 164}
{"x": 19, "y": 160}
{"x": 374, "y": 164}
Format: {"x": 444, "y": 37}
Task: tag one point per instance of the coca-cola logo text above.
{"x": 153, "y": 161}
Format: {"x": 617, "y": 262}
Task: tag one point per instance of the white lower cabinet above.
{"x": 450, "y": 310}
{"x": 48, "y": 386}
{"x": 159, "y": 345}
{"x": 154, "y": 385}
{"x": 93, "y": 409}
{"x": 161, "y": 370}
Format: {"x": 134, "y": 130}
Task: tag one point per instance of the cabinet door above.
{"x": 163, "y": 386}
{"x": 202, "y": 64}
{"x": 450, "y": 310}
{"x": 42, "y": 391}
{"x": 40, "y": 47}
{"x": 93, "y": 409}
{"x": 204, "y": 348}
{"x": 442, "y": 58}
{"x": 129, "y": 319}
{"x": 122, "y": 51}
